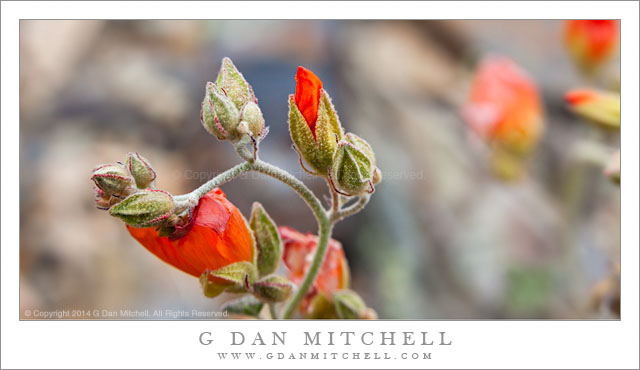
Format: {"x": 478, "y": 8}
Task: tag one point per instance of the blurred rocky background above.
{"x": 441, "y": 239}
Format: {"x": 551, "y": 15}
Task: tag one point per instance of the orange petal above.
{"x": 307, "y": 96}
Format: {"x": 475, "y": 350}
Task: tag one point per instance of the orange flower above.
{"x": 504, "y": 105}
{"x": 298, "y": 253}
{"x": 591, "y": 42}
{"x": 307, "y": 97}
{"x": 216, "y": 236}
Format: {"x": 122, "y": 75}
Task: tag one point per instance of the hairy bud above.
{"x": 113, "y": 179}
{"x": 145, "y": 208}
{"x": 140, "y": 169}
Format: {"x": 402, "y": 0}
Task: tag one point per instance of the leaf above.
{"x": 267, "y": 238}
{"x": 247, "y": 305}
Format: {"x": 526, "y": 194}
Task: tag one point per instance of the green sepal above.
{"x": 240, "y": 274}
{"x": 272, "y": 289}
{"x": 267, "y": 238}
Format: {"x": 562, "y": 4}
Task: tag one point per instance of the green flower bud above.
{"x": 219, "y": 115}
{"x": 145, "y": 208}
{"x": 252, "y": 115}
{"x": 267, "y": 239}
{"x": 113, "y": 179}
{"x": 231, "y": 81}
{"x": 247, "y": 305}
{"x": 273, "y": 288}
{"x": 140, "y": 169}
{"x": 348, "y": 304}
{"x": 353, "y": 167}
{"x": 316, "y": 142}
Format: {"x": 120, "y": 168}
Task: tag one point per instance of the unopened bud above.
{"x": 247, "y": 305}
{"x": 113, "y": 179}
{"x": 348, "y": 304}
{"x": 599, "y": 107}
{"x": 103, "y": 200}
{"x": 141, "y": 170}
{"x": 352, "y": 170}
{"x": 145, "y": 208}
{"x": 252, "y": 115}
{"x": 273, "y": 288}
{"x": 219, "y": 115}
{"x": 231, "y": 81}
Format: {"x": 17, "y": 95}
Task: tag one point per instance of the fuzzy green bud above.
{"x": 348, "y": 304}
{"x": 353, "y": 170}
{"x": 113, "y": 179}
{"x": 140, "y": 169}
{"x": 273, "y": 288}
{"x": 231, "y": 81}
{"x": 145, "y": 208}
{"x": 219, "y": 115}
{"x": 252, "y": 115}
{"x": 316, "y": 142}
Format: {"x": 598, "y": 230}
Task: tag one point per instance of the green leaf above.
{"x": 267, "y": 240}
{"x": 247, "y": 305}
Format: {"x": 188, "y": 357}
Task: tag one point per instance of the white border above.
{"x": 477, "y": 344}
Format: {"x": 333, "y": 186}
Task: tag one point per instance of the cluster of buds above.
{"x": 211, "y": 240}
{"x": 346, "y": 160}
{"x": 230, "y": 109}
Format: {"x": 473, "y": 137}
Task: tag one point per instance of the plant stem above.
{"x": 324, "y": 219}
{"x": 272, "y": 311}
{"x": 226, "y": 176}
{"x": 351, "y": 210}
{"x": 324, "y": 235}
{"x": 324, "y": 230}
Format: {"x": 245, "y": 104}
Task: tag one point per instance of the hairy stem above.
{"x": 325, "y": 219}
{"x": 324, "y": 235}
{"x": 224, "y": 177}
{"x": 351, "y": 210}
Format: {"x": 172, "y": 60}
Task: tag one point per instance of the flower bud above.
{"x": 144, "y": 208}
{"x": 313, "y": 122}
{"x": 219, "y": 115}
{"x": 591, "y": 42}
{"x": 252, "y": 115}
{"x": 599, "y": 107}
{"x": 231, "y": 81}
{"x": 267, "y": 239}
{"x": 348, "y": 304}
{"x": 140, "y": 169}
{"x": 352, "y": 170}
{"x": 113, "y": 179}
{"x": 103, "y": 200}
{"x": 273, "y": 288}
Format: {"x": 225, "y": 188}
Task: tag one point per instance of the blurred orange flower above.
{"x": 307, "y": 96}
{"x": 216, "y": 236}
{"x": 504, "y": 105}
{"x": 591, "y": 42}
{"x": 298, "y": 253}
